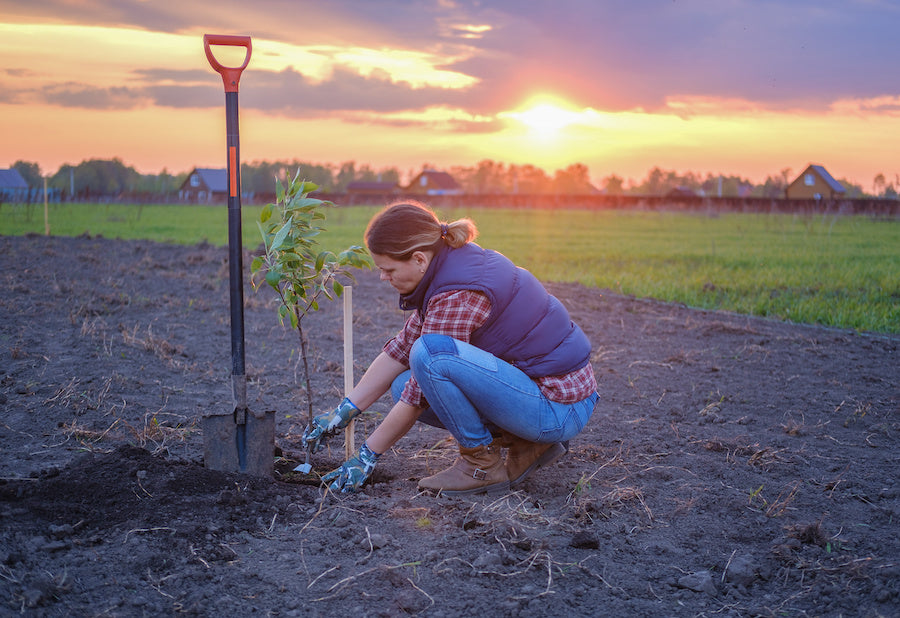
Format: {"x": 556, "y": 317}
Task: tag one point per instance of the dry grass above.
{"x": 77, "y": 398}
{"x": 605, "y": 498}
{"x": 761, "y": 456}
{"x": 777, "y": 507}
{"x": 160, "y": 436}
{"x": 152, "y": 434}
{"x": 88, "y": 438}
{"x": 158, "y": 346}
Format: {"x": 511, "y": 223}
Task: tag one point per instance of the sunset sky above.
{"x": 742, "y": 87}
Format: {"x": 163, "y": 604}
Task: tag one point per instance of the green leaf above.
{"x": 266, "y": 213}
{"x": 256, "y": 264}
{"x": 294, "y": 319}
{"x": 263, "y": 234}
{"x": 337, "y": 287}
{"x": 307, "y": 203}
{"x": 282, "y": 234}
{"x": 273, "y": 277}
{"x": 320, "y": 261}
{"x": 279, "y": 190}
{"x": 308, "y": 187}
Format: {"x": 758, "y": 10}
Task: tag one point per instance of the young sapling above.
{"x": 296, "y": 269}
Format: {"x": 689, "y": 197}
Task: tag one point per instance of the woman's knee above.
{"x": 427, "y": 347}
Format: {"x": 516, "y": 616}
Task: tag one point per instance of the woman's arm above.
{"x": 375, "y": 381}
{"x": 371, "y": 386}
{"x": 395, "y": 425}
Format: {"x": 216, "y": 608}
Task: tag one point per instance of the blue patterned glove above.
{"x": 353, "y": 472}
{"x": 328, "y": 424}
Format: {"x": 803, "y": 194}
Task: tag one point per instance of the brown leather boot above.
{"x": 476, "y": 470}
{"x": 524, "y": 457}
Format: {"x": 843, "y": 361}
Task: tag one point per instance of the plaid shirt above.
{"x": 457, "y": 314}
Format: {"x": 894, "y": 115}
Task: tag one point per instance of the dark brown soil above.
{"x": 735, "y": 466}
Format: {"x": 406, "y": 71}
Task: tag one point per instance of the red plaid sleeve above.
{"x": 569, "y": 388}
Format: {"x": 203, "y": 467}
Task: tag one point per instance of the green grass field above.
{"x": 834, "y": 271}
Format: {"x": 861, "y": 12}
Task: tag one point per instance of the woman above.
{"x": 486, "y": 353}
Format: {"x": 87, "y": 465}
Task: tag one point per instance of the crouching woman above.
{"x": 486, "y": 353}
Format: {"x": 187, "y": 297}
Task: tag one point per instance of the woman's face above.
{"x": 403, "y": 275}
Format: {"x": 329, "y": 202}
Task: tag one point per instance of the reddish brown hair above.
{"x": 405, "y": 227}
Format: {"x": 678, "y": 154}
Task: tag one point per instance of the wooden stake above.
{"x": 46, "y": 211}
{"x": 349, "y": 436}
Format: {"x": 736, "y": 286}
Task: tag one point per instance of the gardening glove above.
{"x": 353, "y": 472}
{"x": 329, "y": 424}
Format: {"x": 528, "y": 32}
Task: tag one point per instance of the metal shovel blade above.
{"x": 231, "y": 447}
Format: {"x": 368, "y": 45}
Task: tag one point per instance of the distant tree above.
{"x": 655, "y": 183}
{"x": 530, "y": 180}
{"x": 96, "y": 177}
{"x": 492, "y": 177}
{"x": 852, "y": 190}
{"x": 613, "y": 185}
{"x": 879, "y": 184}
{"x": 161, "y": 184}
{"x": 574, "y": 180}
{"x": 389, "y": 174}
{"x": 259, "y": 176}
{"x": 346, "y": 174}
{"x": 773, "y": 187}
{"x": 786, "y": 176}
{"x": 31, "y": 173}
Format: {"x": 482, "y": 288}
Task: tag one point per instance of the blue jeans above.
{"x": 472, "y": 393}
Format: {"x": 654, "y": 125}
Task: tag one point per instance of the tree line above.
{"x": 111, "y": 178}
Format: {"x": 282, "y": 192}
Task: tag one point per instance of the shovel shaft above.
{"x": 235, "y": 252}
{"x": 231, "y": 77}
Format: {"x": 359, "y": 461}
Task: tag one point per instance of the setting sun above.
{"x": 546, "y": 118}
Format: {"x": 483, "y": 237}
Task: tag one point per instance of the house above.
{"x": 366, "y": 187}
{"x": 204, "y": 186}
{"x": 431, "y": 182}
{"x": 815, "y": 183}
{"x": 13, "y": 187}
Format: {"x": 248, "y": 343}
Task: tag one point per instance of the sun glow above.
{"x": 547, "y": 118}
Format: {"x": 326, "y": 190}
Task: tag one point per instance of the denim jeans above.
{"x": 472, "y": 393}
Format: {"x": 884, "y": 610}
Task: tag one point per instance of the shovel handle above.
{"x": 231, "y": 76}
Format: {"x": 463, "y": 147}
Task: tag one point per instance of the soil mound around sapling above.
{"x": 735, "y": 466}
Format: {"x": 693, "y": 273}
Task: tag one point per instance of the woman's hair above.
{"x": 405, "y": 227}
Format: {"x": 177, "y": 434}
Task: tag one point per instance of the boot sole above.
{"x": 550, "y": 456}
{"x": 496, "y": 488}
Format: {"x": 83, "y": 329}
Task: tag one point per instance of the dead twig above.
{"x": 141, "y": 530}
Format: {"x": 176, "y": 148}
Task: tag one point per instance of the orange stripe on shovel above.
{"x": 232, "y": 163}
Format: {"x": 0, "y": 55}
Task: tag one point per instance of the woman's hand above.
{"x": 353, "y": 472}
{"x": 328, "y": 424}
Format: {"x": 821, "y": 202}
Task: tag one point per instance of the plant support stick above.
{"x": 349, "y": 441}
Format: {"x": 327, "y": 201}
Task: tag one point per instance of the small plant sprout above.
{"x": 293, "y": 265}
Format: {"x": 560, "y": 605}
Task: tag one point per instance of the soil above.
{"x": 735, "y": 466}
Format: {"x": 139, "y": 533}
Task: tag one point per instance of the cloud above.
{"x": 290, "y": 92}
{"x": 638, "y": 55}
{"x": 72, "y": 94}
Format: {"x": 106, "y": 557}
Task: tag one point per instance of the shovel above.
{"x": 239, "y": 441}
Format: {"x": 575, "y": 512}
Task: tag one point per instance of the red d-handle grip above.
{"x": 231, "y": 76}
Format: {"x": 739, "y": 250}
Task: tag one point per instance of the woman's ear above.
{"x": 421, "y": 260}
